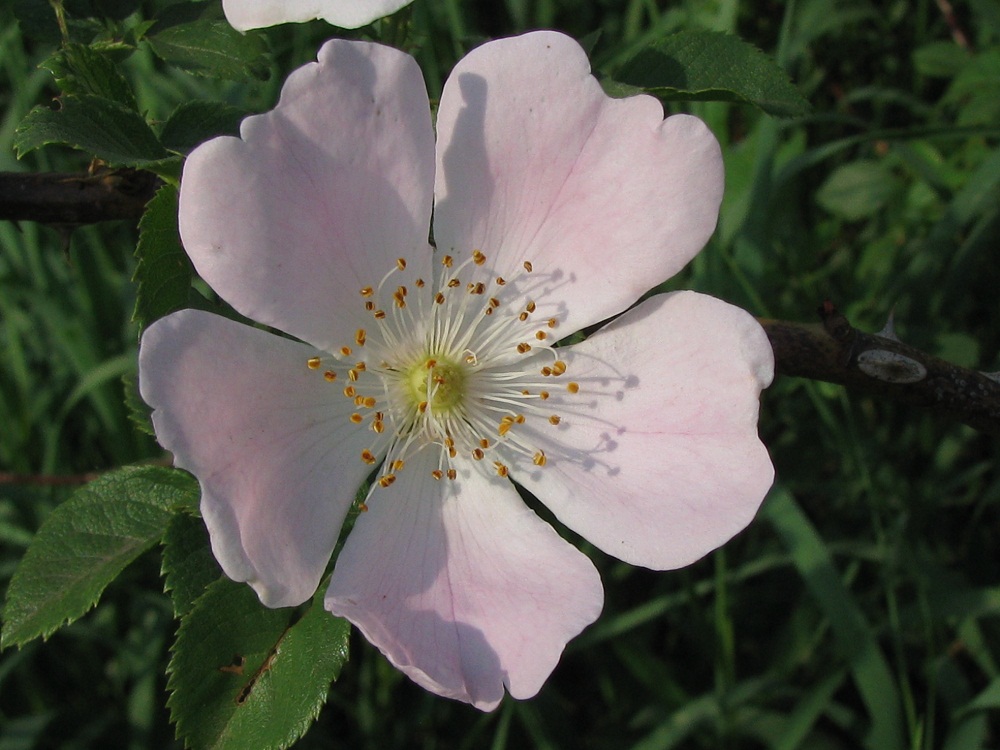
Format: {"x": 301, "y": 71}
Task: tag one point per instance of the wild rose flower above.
{"x": 433, "y": 368}
{"x": 348, "y": 14}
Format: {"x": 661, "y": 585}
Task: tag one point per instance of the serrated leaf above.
{"x": 86, "y": 542}
{"x": 189, "y": 566}
{"x": 195, "y": 122}
{"x": 99, "y": 126}
{"x": 213, "y": 48}
{"x": 81, "y": 70}
{"x": 710, "y": 66}
{"x": 243, "y": 675}
{"x": 164, "y": 271}
{"x": 139, "y": 412}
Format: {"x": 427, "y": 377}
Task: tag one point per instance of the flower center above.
{"x": 458, "y": 366}
{"x": 439, "y": 384}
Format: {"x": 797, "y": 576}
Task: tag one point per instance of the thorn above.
{"x": 889, "y": 330}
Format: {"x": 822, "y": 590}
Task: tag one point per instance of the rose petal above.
{"x": 348, "y": 14}
{"x": 320, "y": 197}
{"x": 656, "y": 460}
{"x": 269, "y": 440}
{"x": 462, "y": 586}
{"x": 602, "y": 196}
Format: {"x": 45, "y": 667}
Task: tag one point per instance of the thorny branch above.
{"x": 833, "y": 350}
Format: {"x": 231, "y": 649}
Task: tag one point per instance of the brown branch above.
{"x": 881, "y": 365}
{"x": 76, "y": 198}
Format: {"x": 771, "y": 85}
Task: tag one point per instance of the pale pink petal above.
{"x": 461, "y": 585}
{"x": 269, "y": 440}
{"x": 320, "y": 196}
{"x": 656, "y": 460}
{"x": 535, "y": 163}
{"x": 348, "y": 14}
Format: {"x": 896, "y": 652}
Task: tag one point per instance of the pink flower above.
{"x": 348, "y": 14}
{"x": 554, "y": 208}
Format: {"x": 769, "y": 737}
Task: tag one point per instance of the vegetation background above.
{"x": 860, "y": 609}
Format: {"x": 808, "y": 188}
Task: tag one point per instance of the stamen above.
{"x": 401, "y": 264}
{"x": 357, "y": 418}
{"x": 367, "y": 456}
{"x": 555, "y": 419}
{"x": 527, "y": 266}
{"x": 387, "y": 480}
{"x": 573, "y": 387}
{"x": 329, "y": 376}
{"x": 478, "y": 258}
{"x": 360, "y": 337}
{"x": 313, "y": 363}
{"x": 539, "y": 458}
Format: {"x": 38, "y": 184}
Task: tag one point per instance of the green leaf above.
{"x": 139, "y": 412}
{"x": 99, "y": 126}
{"x": 81, "y": 70}
{"x": 858, "y": 190}
{"x": 195, "y": 122}
{"x": 189, "y": 566}
{"x": 86, "y": 542}
{"x": 710, "y": 66}
{"x": 164, "y": 271}
{"x": 243, "y": 675}
{"x": 940, "y": 59}
{"x": 213, "y": 48}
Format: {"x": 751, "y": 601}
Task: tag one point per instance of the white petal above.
{"x": 348, "y": 14}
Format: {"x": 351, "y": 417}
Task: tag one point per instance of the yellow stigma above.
{"x": 436, "y": 384}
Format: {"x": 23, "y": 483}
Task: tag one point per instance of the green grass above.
{"x": 862, "y": 608}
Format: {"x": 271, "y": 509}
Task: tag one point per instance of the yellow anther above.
{"x": 329, "y": 376}
{"x": 478, "y": 258}
{"x": 522, "y": 317}
{"x": 504, "y": 427}
{"x": 378, "y": 426}
{"x": 362, "y": 507}
{"x": 437, "y": 474}
{"x": 439, "y": 298}
{"x": 449, "y": 442}
{"x": 552, "y": 322}
{"x": 558, "y": 367}
{"x": 452, "y": 452}
{"x": 398, "y": 464}
{"x": 313, "y": 363}
{"x": 501, "y": 281}
{"x": 369, "y": 305}
{"x": 527, "y": 266}
{"x": 452, "y": 474}
{"x": 352, "y": 375}
{"x": 530, "y": 307}
{"x": 488, "y": 311}
{"x": 484, "y": 443}
{"x": 420, "y": 283}
{"x": 422, "y": 407}
{"x": 360, "y": 337}
{"x": 367, "y": 291}
{"x": 431, "y": 364}
{"x": 541, "y": 335}
{"x": 369, "y": 402}
{"x": 523, "y": 348}
{"x": 367, "y": 456}
{"x": 546, "y": 371}
{"x": 360, "y": 366}
{"x": 379, "y": 314}
{"x": 453, "y": 283}
{"x": 478, "y": 454}
{"x": 519, "y": 419}
{"x": 555, "y": 419}
{"x": 387, "y": 480}
{"x": 494, "y": 302}
{"x": 479, "y": 288}
{"x": 349, "y": 391}
{"x": 543, "y": 395}
{"x": 573, "y": 387}
{"x": 401, "y": 264}
{"x": 539, "y": 458}
{"x": 501, "y": 469}
{"x": 346, "y": 351}
{"x": 446, "y": 261}
{"x": 357, "y": 418}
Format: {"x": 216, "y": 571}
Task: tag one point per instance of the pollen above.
{"x": 573, "y": 387}
{"x": 539, "y": 458}
{"x": 437, "y": 474}
{"x": 398, "y": 464}
{"x": 527, "y": 266}
{"x": 478, "y": 258}
{"x": 477, "y": 453}
{"x": 360, "y": 337}
{"x": 446, "y": 261}
{"x": 541, "y": 335}
{"x": 357, "y": 418}
{"x": 387, "y": 480}
{"x": 380, "y": 315}
{"x": 346, "y": 351}
{"x": 552, "y": 323}
{"x": 329, "y": 376}
{"x": 451, "y": 473}
{"x": 523, "y": 348}
{"x": 555, "y": 419}
{"x": 543, "y": 395}
{"x": 349, "y": 391}
{"x": 558, "y": 367}
{"x": 352, "y": 375}
{"x": 313, "y": 363}
{"x": 367, "y": 291}
{"x": 401, "y": 264}
{"x": 501, "y": 281}
{"x": 501, "y": 469}
{"x": 367, "y": 456}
